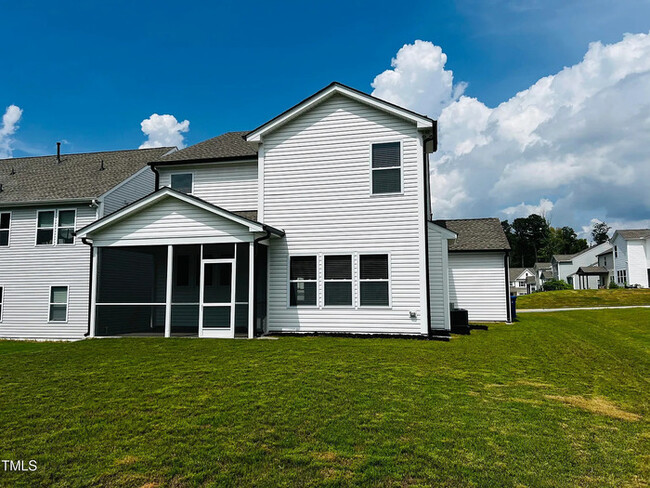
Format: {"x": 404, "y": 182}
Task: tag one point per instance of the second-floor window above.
{"x": 55, "y": 226}
{"x": 182, "y": 182}
{"x": 615, "y": 251}
{"x": 5, "y": 224}
{"x": 386, "y": 171}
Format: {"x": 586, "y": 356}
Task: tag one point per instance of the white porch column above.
{"x": 251, "y": 290}
{"x": 168, "y": 295}
{"x": 93, "y": 293}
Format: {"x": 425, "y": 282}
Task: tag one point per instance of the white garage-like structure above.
{"x": 478, "y": 269}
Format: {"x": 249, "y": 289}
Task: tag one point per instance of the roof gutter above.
{"x": 177, "y": 162}
{"x": 69, "y": 201}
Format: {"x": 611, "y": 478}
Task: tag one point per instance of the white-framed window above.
{"x": 303, "y": 281}
{"x": 55, "y": 227}
{"x": 374, "y": 282}
{"x": 183, "y": 182}
{"x": 337, "y": 282}
{"x": 5, "y": 228}
{"x": 58, "y": 304}
{"x": 615, "y": 251}
{"x": 386, "y": 168}
{"x": 66, "y": 221}
{"x": 2, "y": 302}
{"x": 621, "y": 276}
{"x": 45, "y": 227}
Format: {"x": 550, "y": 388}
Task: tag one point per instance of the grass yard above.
{"x": 557, "y": 399}
{"x": 584, "y": 298}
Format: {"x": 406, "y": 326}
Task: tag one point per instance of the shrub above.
{"x": 554, "y": 285}
{"x": 613, "y": 285}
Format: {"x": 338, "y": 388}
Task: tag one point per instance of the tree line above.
{"x": 534, "y": 240}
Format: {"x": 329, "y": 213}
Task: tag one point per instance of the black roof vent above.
{"x": 0, "y": 187}
{"x": 13, "y": 171}
{"x": 58, "y": 152}
{"x": 101, "y": 166}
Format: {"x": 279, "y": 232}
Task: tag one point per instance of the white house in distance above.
{"x": 318, "y": 221}
{"x": 44, "y": 268}
{"x": 566, "y": 267}
{"x": 631, "y": 257}
{"x": 519, "y": 277}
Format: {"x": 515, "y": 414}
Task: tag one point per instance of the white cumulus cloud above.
{"x": 8, "y": 128}
{"x": 575, "y": 142}
{"x": 164, "y": 131}
{"x": 418, "y": 80}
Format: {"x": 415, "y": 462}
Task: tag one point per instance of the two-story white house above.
{"x": 566, "y": 267}
{"x": 44, "y": 268}
{"x": 631, "y": 257}
{"x": 318, "y": 221}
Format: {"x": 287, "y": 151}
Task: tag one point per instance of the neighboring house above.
{"x": 518, "y": 280}
{"x": 478, "y": 268}
{"x": 565, "y": 267}
{"x": 606, "y": 261}
{"x": 631, "y": 256}
{"x": 44, "y": 268}
{"x": 543, "y": 273}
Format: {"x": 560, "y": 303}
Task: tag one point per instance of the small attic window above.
{"x": 183, "y": 182}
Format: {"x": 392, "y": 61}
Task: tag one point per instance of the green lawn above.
{"x": 557, "y": 399}
{"x": 584, "y": 298}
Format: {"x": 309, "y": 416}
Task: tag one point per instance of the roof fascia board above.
{"x": 35, "y": 203}
{"x": 180, "y": 162}
{"x": 446, "y": 233}
{"x": 256, "y": 135}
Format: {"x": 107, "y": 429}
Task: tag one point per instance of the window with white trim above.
{"x": 374, "y": 283}
{"x": 183, "y": 182}
{"x": 621, "y": 276}
{"x": 5, "y": 227}
{"x": 386, "y": 170}
{"x": 58, "y": 304}
{"x": 65, "y": 226}
{"x": 55, "y": 227}
{"x": 2, "y": 294}
{"x": 337, "y": 282}
{"x": 303, "y": 280}
{"x": 45, "y": 227}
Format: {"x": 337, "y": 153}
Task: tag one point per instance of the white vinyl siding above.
{"x": 438, "y": 301}
{"x": 637, "y": 263}
{"x": 139, "y": 185}
{"x": 171, "y": 219}
{"x": 477, "y": 283}
{"x": 317, "y": 189}
{"x": 28, "y": 272}
{"x": 232, "y": 186}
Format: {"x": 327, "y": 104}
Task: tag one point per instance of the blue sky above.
{"x": 88, "y": 72}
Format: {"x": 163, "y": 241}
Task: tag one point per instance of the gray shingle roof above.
{"x": 230, "y": 145}
{"x": 635, "y": 233}
{"x": 563, "y": 258}
{"x": 77, "y": 176}
{"x": 538, "y": 266}
{"x": 592, "y": 270}
{"x": 514, "y": 272}
{"x": 476, "y": 234}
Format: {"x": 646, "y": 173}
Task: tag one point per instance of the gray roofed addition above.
{"x": 228, "y": 146}
{"x": 476, "y": 234}
{"x": 76, "y": 177}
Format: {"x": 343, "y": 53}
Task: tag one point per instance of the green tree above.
{"x": 531, "y": 233}
{"x": 599, "y": 232}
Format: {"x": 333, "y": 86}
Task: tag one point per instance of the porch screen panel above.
{"x": 132, "y": 275}
{"x": 241, "y": 276}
